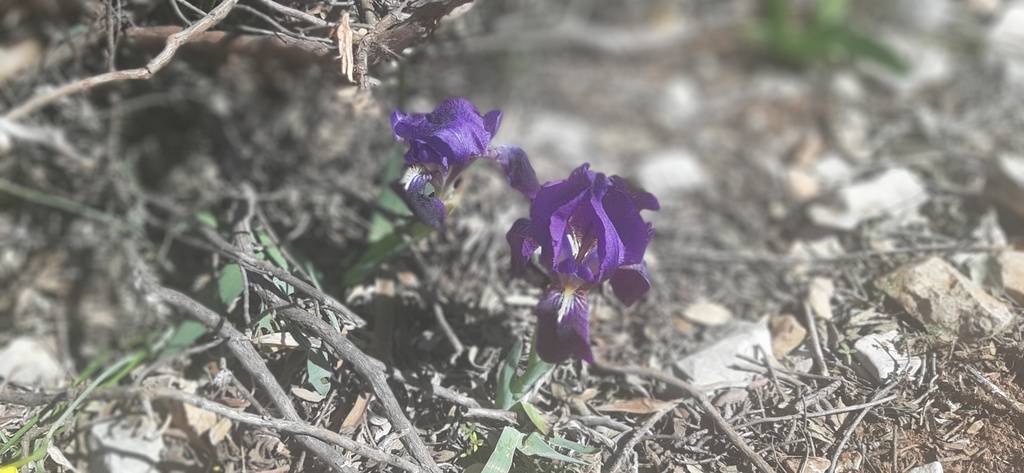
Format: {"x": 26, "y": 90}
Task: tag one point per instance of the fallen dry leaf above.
{"x": 355, "y": 415}
{"x": 200, "y": 421}
{"x": 219, "y": 431}
{"x": 637, "y": 406}
{"x": 819, "y": 297}
{"x": 707, "y": 313}
{"x": 787, "y": 334}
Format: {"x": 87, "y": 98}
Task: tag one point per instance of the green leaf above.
{"x": 229, "y": 283}
{"x": 505, "y": 397}
{"x": 832, "y": 12}
{"x": 536, "y": 418}
{"x": 206, "y": 218}
{"x": 318, "y": 371}
{"x": 535, "y": 446}
{"x": 536, "y": 368}
{"x": 185, "y": 334}
{"x": 861, "y": 46}
{"x": 381, "y": 251}
{"x": 380, "y": 224}
{"x": 500, "y": 460}
{"x": 574, "y": 446}
{"x": 272, "y": 250}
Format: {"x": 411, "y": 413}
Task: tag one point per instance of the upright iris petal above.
{"x": 449, "y": 136}
{"x": 589, "y": 230}
{"x": 441, "y": 145}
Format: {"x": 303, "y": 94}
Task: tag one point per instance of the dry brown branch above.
{"x": 279, "y": 46}
{"x": 242, "y": 350}
{"x": 1016, "y": 406}
{"x": 280, "y": 425}
{"x": 370, "y": 369}
{"x": 161, "y": 60}
{"x": 809, "y": 415}
{"x": 701, "y": 399}
{"x": 853, "y": 426}
{"x": 291, "y": 12}
{"x": 399, "y": 30}
{"x": 251, "y": 262}
{"x": 634, "y": 437}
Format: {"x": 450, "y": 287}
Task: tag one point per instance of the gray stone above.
{"x": 1005, "y": 183}
{"x": 945, "y": 301}
{"x": 878, "y": 355}
{"x": 125, "y": 447}
{"x": 933, "y": 467}
{"x": 28, "y": 362}
{"x": 669, "y": 171}
{"x": 891, "y": 193}
{"x": 677, "y": 103}
{"x": 1004, "y": 40}
{"x": 712, "y": 365}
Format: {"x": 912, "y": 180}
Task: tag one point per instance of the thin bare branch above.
{"x": 161, "y": 60}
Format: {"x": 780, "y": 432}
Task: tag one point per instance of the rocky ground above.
{"x": 836, "y": 279}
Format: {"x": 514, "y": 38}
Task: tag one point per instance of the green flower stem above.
{"x": 536, "y": 369}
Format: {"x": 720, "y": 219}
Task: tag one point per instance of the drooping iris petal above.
{"x": 492, "y": 120}
{"x": 563, "y": 326}
{"x": 522, "y": 244}
{"x": 424, "y": 205}
{"x": 630, "y": 283}
{"x": 452, "y": 134}
{"x": 634, "y": 233}
{"x": 520, "y": 174}
{"x": 641, "y": 199}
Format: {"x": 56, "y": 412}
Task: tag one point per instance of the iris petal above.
{"x": 635, "y": 234}
{"x": 452, "y": 134}
{"x": 426, "y": 207}
{"x": 630, "y": 283}
{"x": 520, "y": 174}
{"x": 522, "y": 245}
{"x": 563, "y": 326}
{"x": 492, "y": 121}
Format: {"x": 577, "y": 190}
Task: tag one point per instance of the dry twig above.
{"x": 161, "y": 60}
{"x": 633, "y": 437}
{"x": 242, "y": 350}
{"x": 701, "y": 399}
{"x": 299, "y": 428}
{"x": 369, "y": 368}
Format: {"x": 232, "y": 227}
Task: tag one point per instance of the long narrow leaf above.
{"x": 501, "y": 458}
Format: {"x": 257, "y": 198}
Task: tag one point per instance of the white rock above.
{"x": 945, "y": 301}
{"x": 671, "y": 171}
{"x": 819, "y": 297}
{"x": 712, "y": 365}
{"x": 832, "y": 170}
{"x": 117, "y": 445}
{"x": 29, "y": 362}
{"x": 891, "y": 193}
{"x": 678, "y": 102}
{"x": 983, "y": 268}
{"x": 707, "y": 313}
{"x": 1011, "y": 274}
{"x": 933, "y": 467}
{"x": 1005, "y": 183}
{"x": 879, "y": 356}
{"x": 928, "y": 64}
{"x": 1005, "y": 40}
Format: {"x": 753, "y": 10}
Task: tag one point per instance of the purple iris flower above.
{"x": 442, "y": 144}
{"x": 589, "y": 230}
